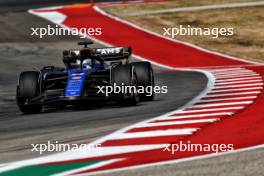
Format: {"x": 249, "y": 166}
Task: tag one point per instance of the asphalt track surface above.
{"x": 20, "y": 51}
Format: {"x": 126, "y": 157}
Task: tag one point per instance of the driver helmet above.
{"x": 87, "y": 63}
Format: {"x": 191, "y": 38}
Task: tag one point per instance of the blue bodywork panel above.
{"x": 75, "y": 82}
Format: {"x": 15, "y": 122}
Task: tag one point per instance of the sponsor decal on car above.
{"x": 106, "y": 51}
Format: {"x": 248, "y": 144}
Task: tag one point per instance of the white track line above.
{"x": 239, "y": 82}
{"x": 111, "y": 150}
{"x": 227, "y": 99}
{"x": 233, "y": 72}
{"x": 236, "y": 75}
{"x": 156, "y": 124}
{"x": 226, "y": 70}
{"x": 233, "y": 77}
{"x": 232, "y": 94}
{"x": 239, "y": 85}
{"x": 239, "y": 79}
{"x": 157, "y": 133}
{"x": 211, "y": 109}
{"x": 234, "y": 90}
{"x": 195, "y": 116}
{"x": 222, "y": 104}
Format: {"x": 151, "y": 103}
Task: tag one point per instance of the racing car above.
{"x": 86, "y": 71}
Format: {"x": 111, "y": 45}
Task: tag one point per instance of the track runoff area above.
{"x": 219, "y": 116}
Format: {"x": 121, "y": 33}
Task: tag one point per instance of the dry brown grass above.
{"x": 248, "y": 23}
{"x": 123, "y": 9}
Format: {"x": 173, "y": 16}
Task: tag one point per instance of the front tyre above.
{"x": 28, "y": 87}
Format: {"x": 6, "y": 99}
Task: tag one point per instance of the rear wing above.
{"x": 106, "y": 54}
{"x": 112, "y": 53}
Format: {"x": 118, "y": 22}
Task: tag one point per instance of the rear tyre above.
{"x": 125, "y": 75}
{"x": 28, "y": 88}
{"x": 145, "y": 78}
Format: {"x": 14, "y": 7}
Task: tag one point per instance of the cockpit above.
{"x": 75, "y": 59}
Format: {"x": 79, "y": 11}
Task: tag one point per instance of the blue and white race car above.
{"x": 88, "y": 74}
